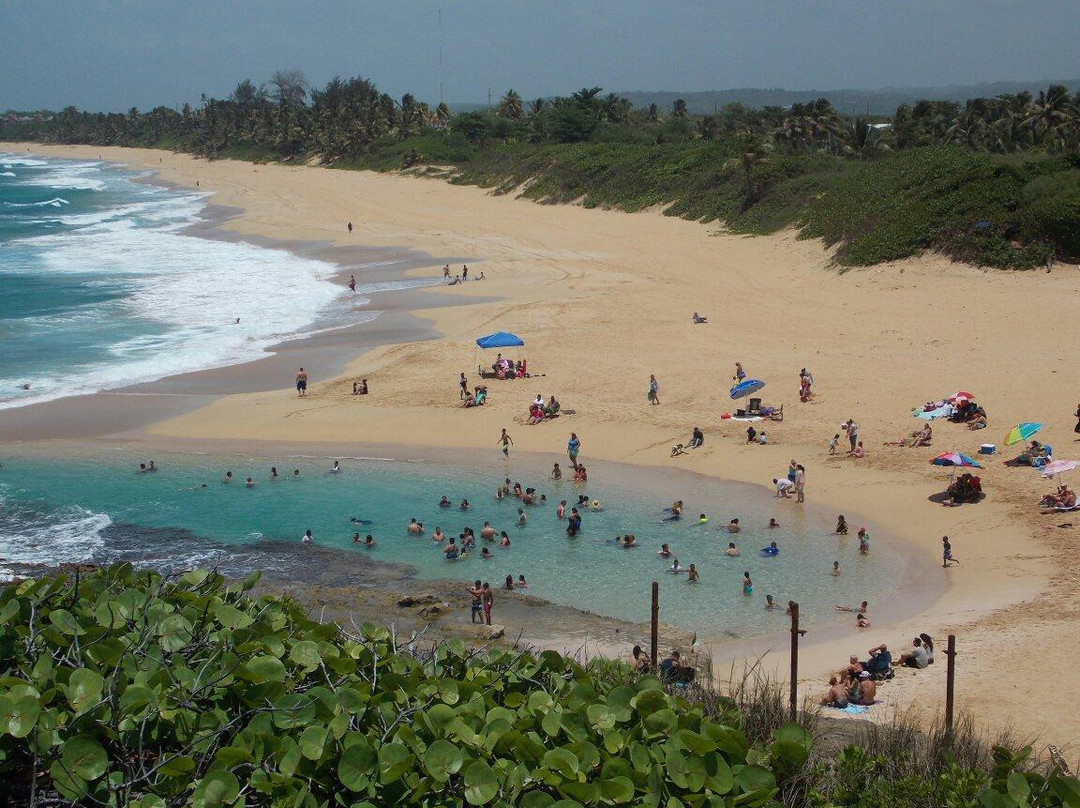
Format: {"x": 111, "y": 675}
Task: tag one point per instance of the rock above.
{"x": 417, "y": 600}
{"x": 496, "y": 632}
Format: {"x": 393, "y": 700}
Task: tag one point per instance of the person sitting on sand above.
{"x": 639, "y": 660}
{"x": 841, "y": 526}
{"x": 360, "y": 388}
{"x": 850, "y": 675}
{"x": 552, "y": 408}
{"x": 922, "y": 437}
{"x": 677, "y": 450}
{"x": 979, "y": 421}
{"x": 836, "y": 695}
{"x": 917, "y": 657}
{"x": 415, "y": 527}
{"x": 773, "y": 523}
{"x": 731, "y": 550}
{"x": 864, "y": 692}
{"x": 698, "y": 439}
{"x": 536, "y": 414}
{"x": 469, "y": 400}
{"x": 751, "y": 435}
{"x": 861, "y": 621}
{"x": 698, "y": 319}
{"x": 762, "y": 439}
{"x": 859, "y": 451}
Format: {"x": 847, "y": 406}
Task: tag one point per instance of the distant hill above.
{"x": 879, "y": 102}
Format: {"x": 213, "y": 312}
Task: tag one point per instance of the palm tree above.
{"x": 1052, "y": 117}
{"x": 511, "y": 106}
{"x": 678, "y": 108}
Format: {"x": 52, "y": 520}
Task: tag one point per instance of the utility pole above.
{"x": 654, "y": 645}
{"x": 489, "y": 100}
{"x": 950, "y": 685}
{"x": 796, "y": 632}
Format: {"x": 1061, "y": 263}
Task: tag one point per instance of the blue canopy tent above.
{"x": 500, "y": 339}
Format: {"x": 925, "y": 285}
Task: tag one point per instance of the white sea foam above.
{"x": 71, "y": 534}
{"x": 55, "y": 202}
{"x": 9, "y": 160}
{"x": 74, "y": 176}
{"x": 7, "y": 173}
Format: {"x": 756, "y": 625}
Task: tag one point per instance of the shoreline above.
{"x": 879, "y": 341}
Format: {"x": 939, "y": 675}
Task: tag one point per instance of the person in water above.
{"x": 485, "y": 552}
{"x": 369, "y": 541}
{"x": 692, "y": 575}
{"x": 731, "y": 550}
{"x": 228, "y": 477}
{"x": 504, "y": 540}
{"x": 142, "y": 469}
{"x": 307, "y": 537}
{"x": 522, "y": 518}
{"x": 773, "y": 522}
{"x": 675, "y": 568}
{"x": 835, "y": 568}
{"x": 296, "y": 472}
{"x": 560, "y": 511}
{"x": 864, "y": 541}
{"x": 445, "y": 502}
{"x": 522, "y": 583}
{"x": 733, "y": 526}
{"x": 452, "y": 552}
{"x": 464, "y": 505}
{"x": 414, "y": 527}
{"x": 438, "y": 535}
{"x": 629, "y": 541}
{"x": 770, "y": 603}
{"x": 509, "y": 583}
{"x": 250, "y": 483}
{"x": 703, "y": 519}
{"x": 336, "y": 468}
{"x": 273, "y": 473}
{"x": 356, "y": 538}
{"x": 771, "y": 550}
{"x": 841, "y": 526}
{"x": 747, "y": 584}
{"x": 664, "y": 551}
{"x": 556, "y": 473}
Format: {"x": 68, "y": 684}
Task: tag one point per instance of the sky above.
{"x": 115, "y": 54}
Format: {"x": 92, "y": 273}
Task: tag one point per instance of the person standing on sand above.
{"x": 463, "y": 383}
{"x": 350, "y": 226}
{"x": 1076, "y": 428}
{"x": 852, "y": 430}
{"x": 477, "y": 593}
{"x": 489, "y": 601}
{"x": 800, "y": 483}
{"x": 301, "y": 382}
{"x": 946, "y": 552}
{"x": 465, "y": 277}
{"x": 506, "y": 441}
{"x": 654, "y": 390}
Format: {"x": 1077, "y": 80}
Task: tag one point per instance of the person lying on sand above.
{"x": 698, "y": 319}
{"x": 862, "y": 607}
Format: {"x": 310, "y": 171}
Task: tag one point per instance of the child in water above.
{"x": 747, "y": 584}
{"x": 841, "y": 526}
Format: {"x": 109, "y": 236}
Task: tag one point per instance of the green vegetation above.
{"x": 121, "y": 688}
{"x": 994, "y": 182}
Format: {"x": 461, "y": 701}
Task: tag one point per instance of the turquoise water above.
{"x": 77, "y": 509}
{"x": 103, "y": 287}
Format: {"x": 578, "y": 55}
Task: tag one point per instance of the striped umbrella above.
{"x": 1021, "y": 432}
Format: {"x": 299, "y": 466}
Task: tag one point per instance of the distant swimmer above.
{"x": 629, "y": 540}
{"x": 273, "y": 473}
{"x": 731, "y": 550}
{"x": 733, "y": 526}
{"x": 249, "y": 483}
{"x": 556, "y": 473}
{"x": 487, "y": 532}
{"x": 485, "y": 552}
{"x": 336, "y": 469}
{"x": 306, "y": 538}
{"x": 692, "y": 575}
{"x": 522, "y": 583}
{"x": 771, "y": 550}
{"x": 142, "y": 469}
{"x": 703, "y": 519}
{"x": 445, "y": 502}
{"x": 504, "y": 540}
{"x": 415, "y": 527}
{"x": 841, "y": 526}
{"x": 296, "y": 472}
{"x": 356, "y": 538}
{"x": 574, "y": 523}
{"x": 356, "y": 521}
{"x": 560, "y": 511}
{"x": 863, "y": 607}
{"x": 747, "y": 584}
{"x": 864, "y": 541}
{"x": 835, "y": 568}
{"x": 522, "y": 518}
{"x": 464, "y": 505}
{"x": 770, "y": 603}
{"x": 451, "y": 552}
{"x": 152, "y": 466}
{"x": 369, "y": 541}
{"x": 438, "y": 535}
{"x": 675, "y": 569}
{"x": 773, "y": 522}
{"x": 228, "y": 477}
{"x": 664, "y": 551}
{"x": 199, "y": 487}
{"x": 301, "y": 382}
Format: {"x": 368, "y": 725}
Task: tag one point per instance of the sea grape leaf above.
{"x": 85, "y": 757}
{"x": 84, "y": 689}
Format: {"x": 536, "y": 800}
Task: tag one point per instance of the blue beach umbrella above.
{"x": 746, "y": 387}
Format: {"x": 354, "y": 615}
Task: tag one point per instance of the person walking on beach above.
{"x": 446, "y": 272}
{"x": 301, "y": 383}
{"x": 573, "y": 446}
{"x": 740, "y": 374}
{"x": 506, "y": 441}
{"x": 654, "y": 390}
{"x": 946, "y": 552}
{"x": 352, "y": 283}
{"x": 463, "y": 383}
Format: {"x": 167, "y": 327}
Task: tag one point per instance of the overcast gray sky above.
{"x": 113, "y": 54}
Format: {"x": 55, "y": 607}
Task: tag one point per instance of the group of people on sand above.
{"x": 539, "y": 411}
{"x": 462, "y": 277}
{"x": 504, "y": 368}
{"x": 857, "y": 682}
{"x": 1062, "y": 499}
{"x": 794, "y": 482}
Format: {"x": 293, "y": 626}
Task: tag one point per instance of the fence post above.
{"x": 795, "y": 633}
{"x": 950, "y": 685}
{"x": 654, "y": 647}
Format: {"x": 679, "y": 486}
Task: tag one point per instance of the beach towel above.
{"x": 856, "y": 709}
{"x": 941, "y": 412}
{"x": 747, "y": 418}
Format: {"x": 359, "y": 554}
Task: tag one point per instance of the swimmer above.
{"x": 733, "y": 526}
{"x": 451, "y": 551}
{"x": 703, "y": 519}
{"x": 674, "y": 513}
{"x": 773, "y": 522}
{"x": 509, "y": 585}
{"x": 199, "y": 487}
{"x": 543, "y": 498}
{"x": 499, "y": 494}
{"x": 505, "y": 487}
{"x": 356, "y": 521}
{"x": 356, "y": 538}
{"x": 861, "y": 621}
{"x": 522, "y": 518}
{"x": 250, "y": 483}
{"x": 692, "y": 575}
{"x": 273, "y": 473}
{"x": 770, "y": 603}
{"x": 583, "y": 501}
{"x": 731, "y": 550}
{"x": 629, "y": 541}
{"x": 771, "y": 550}
{"x": 504, "y": 540}
{"x": 487, "y": 532}
{"x": 675, "y": 569}
{"x": 664, "y": 551}
{"x": 486, "y": 553}
{"x": 444, "y": 502}
{"x": 835, "y": 568}
{"x": 228, "y": 478}
{"x": 841, "y": 526}
{"x": 369, "y": 541}
{"x": 438, "y": 535}
{"x": 336, "y": 469}
{"x": 142, "y": 469}
{"x": 529, "y": 497}
{"x": 596, "y": 505}
{"x": 560, "y": 511}
{"x": 556, "y": 473}
{"x": 153, "y": 466}
{"x": 414, "y": 527}
{"x": 522, "y": 583}
{"x": 296, "y": 473}
{"x": 307, "y": 537}
{"x": 863, "y": 608}
{"x": 464, "y": 505}
{"x": 517, "y": 491}
{"x": 747, "y": 584}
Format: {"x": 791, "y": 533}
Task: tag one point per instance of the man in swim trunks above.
{"x": 477, "y": 592}
{"x": 489, "y": 600}
{"x": 301, "y": 382}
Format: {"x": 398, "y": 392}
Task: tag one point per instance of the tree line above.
{"x": 288, "y": 119}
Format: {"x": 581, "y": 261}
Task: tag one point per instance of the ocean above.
{"x": 102, "y": 286}
{"x": 95, "y": 508}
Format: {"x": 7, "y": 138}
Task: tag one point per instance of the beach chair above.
{"x": 753, "y": 406}
{"x": 777, "y": 414}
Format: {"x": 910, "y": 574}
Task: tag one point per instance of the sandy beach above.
{"x": 603, "y": 299}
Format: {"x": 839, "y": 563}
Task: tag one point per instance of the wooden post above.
{"x": 794, "y": 697}
{"x": 654, "y": 647}
{"x": 950, "y": 684}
